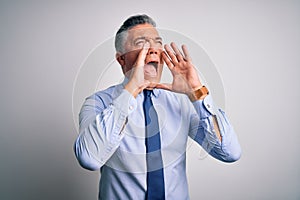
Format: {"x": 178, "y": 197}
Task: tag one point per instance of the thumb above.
{"x": 142, "y": 55}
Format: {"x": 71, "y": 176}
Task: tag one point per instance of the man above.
{"x": 136, "y": 132}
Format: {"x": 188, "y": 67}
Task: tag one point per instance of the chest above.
{"x": 173, "y": 123}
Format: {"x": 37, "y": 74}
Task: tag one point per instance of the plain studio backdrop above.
{"x": 254, "y": 45}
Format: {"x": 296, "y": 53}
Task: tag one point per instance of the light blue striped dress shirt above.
{"x": 112, "y": 139}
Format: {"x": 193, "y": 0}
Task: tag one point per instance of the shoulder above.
{"x": 109, "y": 92}
{"x": 105, "y": 96}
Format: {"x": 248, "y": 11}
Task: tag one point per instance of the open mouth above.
{"x": 153, "y": 63}
{"x": 150, "y": 68}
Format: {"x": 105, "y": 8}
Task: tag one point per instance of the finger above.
{"x": 165, "y": 86}
{"x": 151, "y": 86}
{"x": 179, "y": 55}
{"x": 171, "y": 54}
{"x": 142, "y": 55}
{"x": 167, "y": 61}
{"x": 186, "y": 53}
{"x": 144, "y": 85}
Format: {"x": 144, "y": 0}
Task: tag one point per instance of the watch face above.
{"x": 204, "y": 90}
{"x": 201, "y": 93}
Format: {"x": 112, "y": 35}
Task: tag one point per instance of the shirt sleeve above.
{"x": 203, "y": 131}
{"x": 100, "y": 128}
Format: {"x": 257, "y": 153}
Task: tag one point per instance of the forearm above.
{"x": 199, "y": 94}
{"x": 101, "y": 131}
{"x": 228, "y": 148}
{"x": 95, "y": 144}
{"x": 214, "y": 133}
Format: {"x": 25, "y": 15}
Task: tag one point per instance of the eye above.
{"x": 159, "y": 42}
{"x": 140, "y": 42}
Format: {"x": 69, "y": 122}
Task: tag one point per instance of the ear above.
{"x": 120, "y": 58}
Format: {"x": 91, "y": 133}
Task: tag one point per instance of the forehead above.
{"x": 142, "y": 30}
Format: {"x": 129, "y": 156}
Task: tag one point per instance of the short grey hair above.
{"x": 128, "y": 24}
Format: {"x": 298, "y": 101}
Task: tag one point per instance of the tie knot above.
{"x": 148, "y": 93}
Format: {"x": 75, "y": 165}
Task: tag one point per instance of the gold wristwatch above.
{"x": 199, "y": 94}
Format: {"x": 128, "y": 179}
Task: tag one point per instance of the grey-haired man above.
{"x": 116, "y": 124}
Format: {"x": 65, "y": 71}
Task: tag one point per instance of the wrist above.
{"x": 198, "y": 94}
{"x": 131, "y": 89}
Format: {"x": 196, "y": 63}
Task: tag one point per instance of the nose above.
{"x": 152, "y": 51}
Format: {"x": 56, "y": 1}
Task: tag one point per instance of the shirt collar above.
{"x": 156, "y": 93}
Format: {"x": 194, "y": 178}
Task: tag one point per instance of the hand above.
{"x": 185, "y": 77}
{"x": 136, "y": 82}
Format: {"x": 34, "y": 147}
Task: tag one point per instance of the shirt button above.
{"x": 208, "y": 105}
{"x": 130, "y": 107}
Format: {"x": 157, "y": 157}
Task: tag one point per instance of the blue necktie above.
{"x": 155, "y": 173}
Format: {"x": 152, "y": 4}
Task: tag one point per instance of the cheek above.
{"x": 130, "y": 60}
{"x": 161, "y": 58}
{"x": 131, "y": 57}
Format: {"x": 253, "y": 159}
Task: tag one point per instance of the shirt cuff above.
{"x": 205, "y": 107}
{"x": 125, "y": 102}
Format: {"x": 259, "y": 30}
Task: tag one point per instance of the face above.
{"x": 135, "y": 39}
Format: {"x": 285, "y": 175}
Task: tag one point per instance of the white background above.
{"x": 255, "y": 46}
